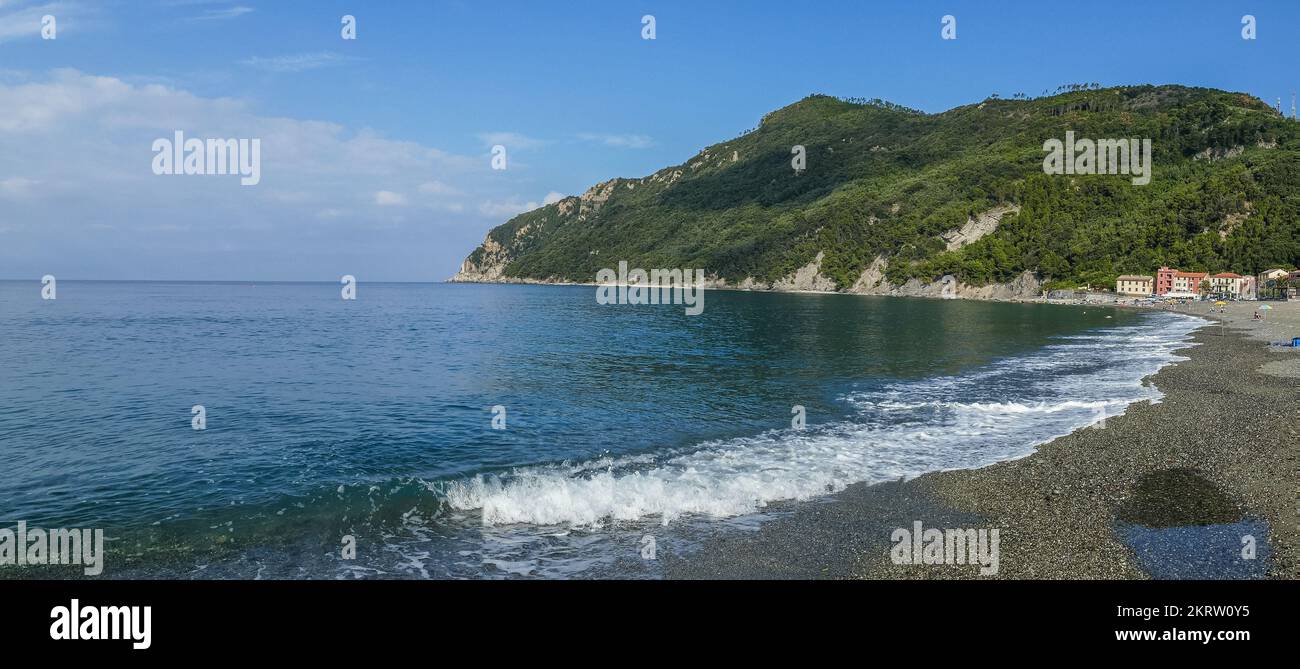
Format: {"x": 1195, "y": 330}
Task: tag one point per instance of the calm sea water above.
{"x": 373, "y": 418}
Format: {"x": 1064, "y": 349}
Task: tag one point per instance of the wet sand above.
{"x": 1223, "y": 446}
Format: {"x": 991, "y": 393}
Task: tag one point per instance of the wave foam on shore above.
{"x": 900, "y": 429}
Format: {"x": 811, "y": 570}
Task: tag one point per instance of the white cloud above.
{"x": 511, "y": 140}
{"x": 387, "y": 198}
{"x": 15, "y": 187}
{"x": 222, "y": 14}
{"x": 42, "y": 106}
{"x": 294, "y": 62}
{"x": 509, "y": 208}
{"x": 436, "y": 187}
{"x": 618, "y": 141}
{"x": 76, "y": 153}
{"x": 20, "y": 20}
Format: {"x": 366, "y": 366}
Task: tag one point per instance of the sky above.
{"x": 376, "y": 152}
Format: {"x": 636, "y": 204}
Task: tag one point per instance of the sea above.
{"x": 463, "y": 431}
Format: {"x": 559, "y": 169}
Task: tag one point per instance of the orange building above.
{"x": 1165, "y": 280}
{"x": 1187, "y": 284}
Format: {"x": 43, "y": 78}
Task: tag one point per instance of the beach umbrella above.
{"x": 1220, "y": 303}
{"x": 1266, "y": 307}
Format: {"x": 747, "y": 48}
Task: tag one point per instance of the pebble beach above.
{"x": 1198, "y": 485}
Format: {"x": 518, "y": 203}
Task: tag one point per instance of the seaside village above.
{"x": 1173, "y": 284}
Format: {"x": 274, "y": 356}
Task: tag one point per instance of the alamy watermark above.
{"x": 948, "y": 546}
{"x": 1102, "y": 156}
{"x": 658, "y": 286}
{"x": 24, "y": 546}
{"x": 206, "y": 157}
{"x": 75, "y": 622}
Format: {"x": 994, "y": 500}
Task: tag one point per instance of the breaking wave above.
{"x": 902, "y": 429}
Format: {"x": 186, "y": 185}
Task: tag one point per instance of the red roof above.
{"x": 1227, "y": 275}
{"x": 1194, "y": 275}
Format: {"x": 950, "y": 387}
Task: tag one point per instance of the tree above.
{"x": 1054, "y": 266}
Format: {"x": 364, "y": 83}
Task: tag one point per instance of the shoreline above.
{"x": 1222, "y": 446}
{"x": 738, "y": 288}
{"x": 970, "y": 293}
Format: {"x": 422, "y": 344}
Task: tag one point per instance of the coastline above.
{"x": 1222, "y": 446}
{"x": 1024, "y": 290}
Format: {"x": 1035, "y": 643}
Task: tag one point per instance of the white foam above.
{"x": 901, "y": 430}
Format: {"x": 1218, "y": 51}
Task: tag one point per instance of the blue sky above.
{"x": 375, "y": 155}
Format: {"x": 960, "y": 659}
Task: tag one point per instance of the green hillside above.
{"x": 883, "y": 180}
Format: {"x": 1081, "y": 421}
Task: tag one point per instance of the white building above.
{"x": 1227, "y": 284}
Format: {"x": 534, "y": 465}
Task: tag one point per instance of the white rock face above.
{"x": 978, "y": 226}
{"x": 490, "y": 267}
{"x": 806, "y": 278}
{"x": 872, "y": 282}
{"x": 872, "y": 279}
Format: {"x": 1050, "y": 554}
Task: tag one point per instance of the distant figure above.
{"x": 1257, "y": 315}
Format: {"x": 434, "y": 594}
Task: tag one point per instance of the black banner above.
{"x": 146, "y": 619}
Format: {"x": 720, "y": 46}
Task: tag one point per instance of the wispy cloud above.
{"x": 325, "y": 191}
{"x": 14, "y": 187}
{"x": 20, "y": 19}
{"x": 222, "y": 14}
{"x": 294, "y": 62}
{"x": 511, "y": 207}
{"x": 387, "y": 198}
{"x": 436, "y": 187}
{"x": 618, "y": 141}
{"x": 512, "y": 140}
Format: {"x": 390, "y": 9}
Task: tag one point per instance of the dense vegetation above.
{"x": 886, "y": 180}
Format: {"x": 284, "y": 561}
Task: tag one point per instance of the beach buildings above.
{"x": 1174, "y": 283}
{"x": 1165, "y": 280}
{"x": 1234, "y": 286}
{"x": 1271, "y": 275}
{"x": 1132, "y": 284}
{"x": 1187, "y": 284}
{"x": 1271, "y": 284}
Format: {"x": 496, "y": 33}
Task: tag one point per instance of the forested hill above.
{"x": 891, "y": 194}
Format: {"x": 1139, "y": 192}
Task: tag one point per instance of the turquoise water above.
{"x": 373, "y": 418}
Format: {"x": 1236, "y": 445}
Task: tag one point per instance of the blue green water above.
{"x": 373, "y": 418}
